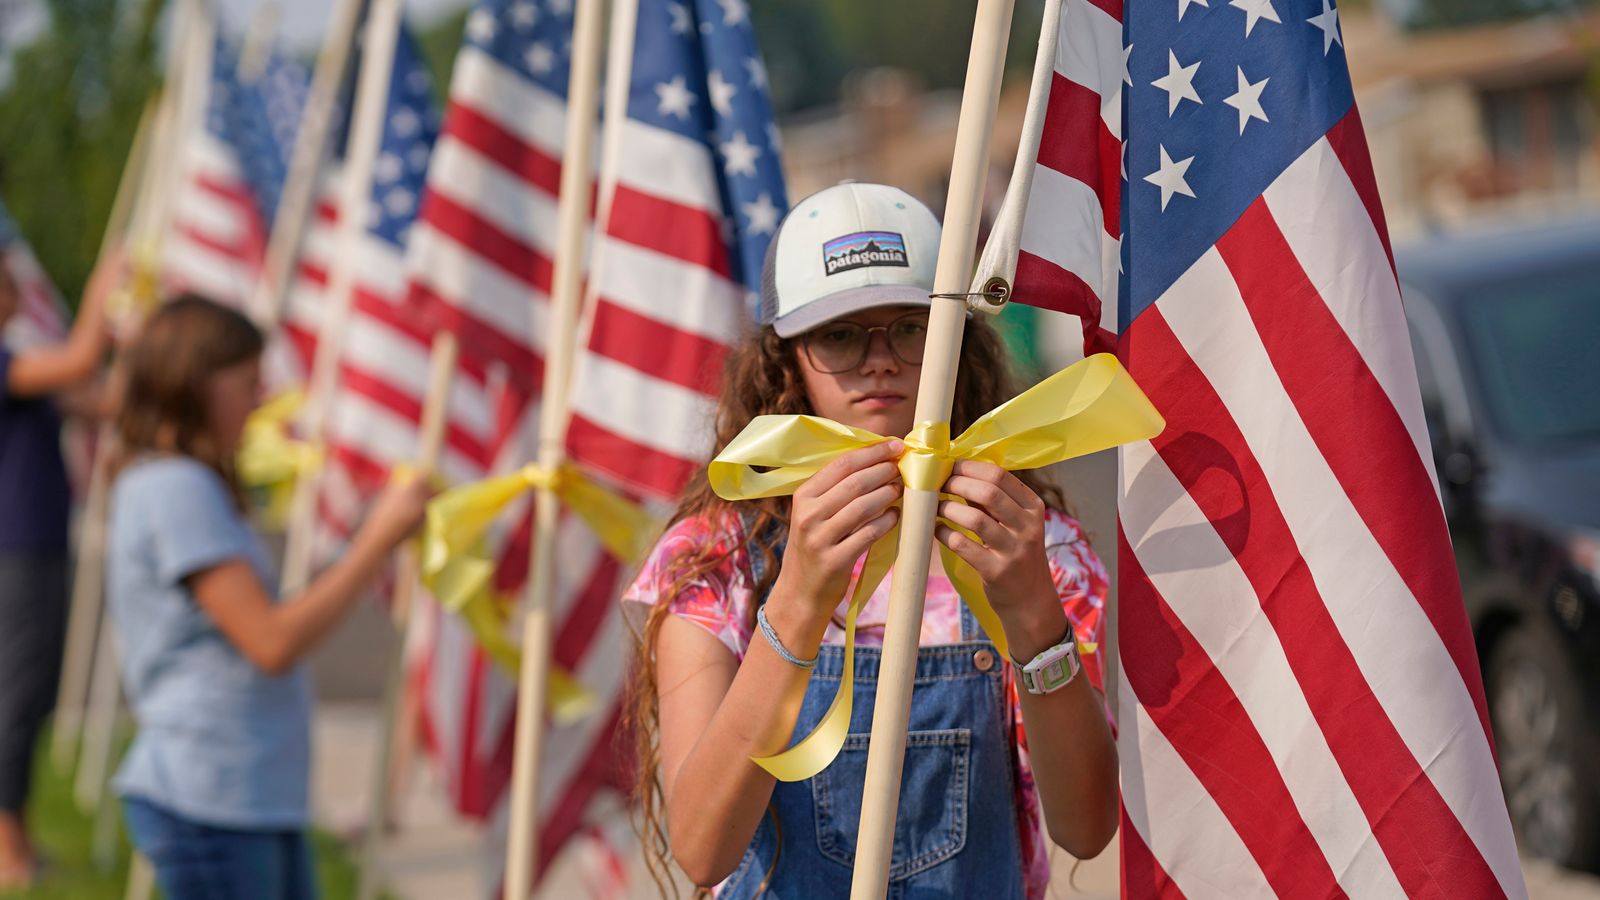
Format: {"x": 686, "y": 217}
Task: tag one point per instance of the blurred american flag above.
{"x": 697, "y": 195}
{"x": 231, "y": 172}
{"x": 41, "y": 317}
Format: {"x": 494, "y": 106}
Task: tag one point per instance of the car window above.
{"x": 1531, "y": 345}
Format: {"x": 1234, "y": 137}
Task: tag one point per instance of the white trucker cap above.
{"x": 846, "y": 248}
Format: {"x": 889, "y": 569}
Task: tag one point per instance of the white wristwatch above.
{"x": 1053, "y": 669}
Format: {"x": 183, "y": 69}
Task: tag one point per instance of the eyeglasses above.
{"x": 841, "y": 346}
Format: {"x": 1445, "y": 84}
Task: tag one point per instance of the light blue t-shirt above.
{"x": 219, "y": 741}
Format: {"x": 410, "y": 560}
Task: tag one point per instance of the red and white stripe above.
{"x": 666, "y": 314}
{"x": 1069, "y": 242}
{"x": 480, "y": 263}
{"x": 217, "y": 239}
{"x": 41, "y": 316}
{"x": 1301, "y": 709}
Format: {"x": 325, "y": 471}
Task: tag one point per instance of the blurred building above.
{"x": 1463, "y": 121}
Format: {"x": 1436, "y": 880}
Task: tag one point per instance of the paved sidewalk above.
{"x": 435, "y": 856}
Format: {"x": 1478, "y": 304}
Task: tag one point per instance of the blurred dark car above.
{"x": 1506, "y": 330}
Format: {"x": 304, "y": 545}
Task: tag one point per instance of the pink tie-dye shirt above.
{"x": 722, "y": 602}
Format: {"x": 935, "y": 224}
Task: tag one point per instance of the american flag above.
{"x": 1300, "y": 708}
{"x": 479, "y": 263}
{"x": 698, "y": 197}
{"x": 383, "y": 361}
{"x": 41, "y": 317}
{"x": 697, "y": 194}
{"x": 231, "y": 172}
{"x": 1068, "y": 259}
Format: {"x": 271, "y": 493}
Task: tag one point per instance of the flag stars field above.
{"x": 740, "y": 155}
{"x": 1178, "y": 82}
{"x": 1328, "y": 22}
{"x": 675, "y": 98}
{"x": 735, "y": 12}
{"x": 480, "y": 26}
{"x": 1248, "y": 99}
{"x": 1183, "y": 6}
{"x": 758, "y": 72}
{"x": 388, "y": 168}
{"x": 540, "y": 58}
{"x": 763, "y": 215}
{"x": 1170, "y": 177}
{"x": 722, "y": 93}
{"x": 1255, "y": 11}
{"x": 525, "y": 15}
{"x": 680, "y": 18}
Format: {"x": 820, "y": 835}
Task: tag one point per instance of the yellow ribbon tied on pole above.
{"x": 1089, "y": 406}
{"x": 140, "y": 292}
{"x": 270, "y": 461}
{"x": 457, "y": 570}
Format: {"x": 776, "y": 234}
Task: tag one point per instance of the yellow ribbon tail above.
{"x": 459, "y": 519}
{"x": 457, "y": 569}
{"x": 1091, "y": 405}
{"x": 625, "y": 528}
{"x": 567, "y": 699}
{"x": 812, "y": 753}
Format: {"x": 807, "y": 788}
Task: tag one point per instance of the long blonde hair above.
{"x": 763, "y": 377}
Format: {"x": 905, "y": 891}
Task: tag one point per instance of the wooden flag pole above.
{"x": 258, "y": 41}
{"x": 83, "y": 614}
{"x": 187, "y": 67}
{"x": 306, "y": 164}
{"x": 892, "y": 708}
{"x": 435, "y": 409}
{"x": 366, "y": 134}
{"x": 522, "y": 844}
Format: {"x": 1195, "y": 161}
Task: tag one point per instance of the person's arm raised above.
{"x": 717, "y": 712}
{"x": 275, "y": 636}
{"x": 47, "y": 370}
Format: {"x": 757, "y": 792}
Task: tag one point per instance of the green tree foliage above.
{"x": 812, "y": 45}
{"x": 67, "y": 118}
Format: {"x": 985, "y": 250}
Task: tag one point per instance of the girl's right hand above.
{"x": 835, "y": 517}
{"x": 399, "y": 511}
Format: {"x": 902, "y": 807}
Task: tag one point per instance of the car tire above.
{"x": 1547, "y": 743}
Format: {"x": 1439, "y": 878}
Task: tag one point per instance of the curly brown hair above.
{"x": 165, "y": 374}
{"x": 763, "y": 377}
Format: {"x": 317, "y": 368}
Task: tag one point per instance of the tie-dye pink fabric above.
{"x": 721, "y": 601}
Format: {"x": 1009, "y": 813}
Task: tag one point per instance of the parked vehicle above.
{"x": 1505, "y": 325}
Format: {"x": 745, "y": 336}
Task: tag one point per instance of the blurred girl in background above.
{"x": 215, "y": 785}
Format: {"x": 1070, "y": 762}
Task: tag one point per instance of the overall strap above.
{"x": 970, "y": 629}
{"x": 777, "y": 534}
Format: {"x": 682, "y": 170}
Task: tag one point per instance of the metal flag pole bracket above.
{"x": 991, "y": 298}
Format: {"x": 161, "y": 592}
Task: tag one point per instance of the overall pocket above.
{"x": 931, "y": 825}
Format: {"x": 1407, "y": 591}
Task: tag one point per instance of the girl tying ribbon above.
{"x": 742, "y": 607}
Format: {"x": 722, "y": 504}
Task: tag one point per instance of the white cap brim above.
{"x": 826, "y": 309}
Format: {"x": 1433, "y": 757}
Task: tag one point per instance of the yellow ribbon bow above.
{"x": 457, "y": 570}
{"x": 1091, "y": 405}
{"x": 270, "y": 461}
{"x": 140, "y": 291}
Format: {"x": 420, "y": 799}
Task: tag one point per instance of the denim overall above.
{"x": 956, "y": 831}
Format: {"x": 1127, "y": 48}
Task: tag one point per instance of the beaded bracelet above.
{"x": 772, "y": 639}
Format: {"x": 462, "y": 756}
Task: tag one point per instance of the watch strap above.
{"x": 1052, "y": 669}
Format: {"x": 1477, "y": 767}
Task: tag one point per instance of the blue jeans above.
{"x": 204, "y": 862}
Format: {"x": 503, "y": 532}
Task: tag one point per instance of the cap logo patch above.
{"x": 862, "y": 249}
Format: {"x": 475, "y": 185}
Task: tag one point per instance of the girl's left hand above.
{"x": 1009, "y": 518}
